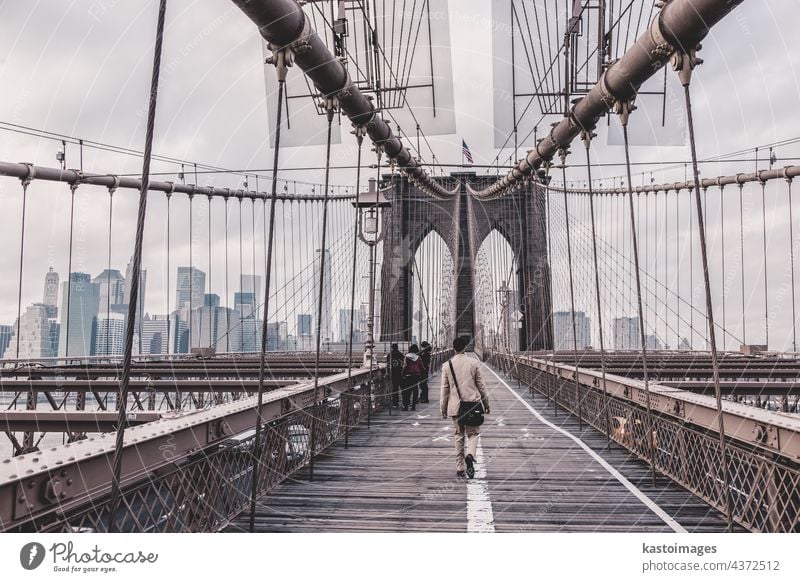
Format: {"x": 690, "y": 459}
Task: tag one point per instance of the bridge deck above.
{"x": 399, "y": 475}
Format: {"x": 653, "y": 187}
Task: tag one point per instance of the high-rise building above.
{"x": 212, "y": 324}
{"x": 252, "y": 284}
{"x": 190, "y": 288}
{"x": 244, "y": 304}
{"x": 304, "y": 324}
{"x": 562, "y": 330}
{"x": 112, "y": 291}
{"x": 156, "y": 335}
{"x": 35, "y": 330}
{"x": 80, "y": 300}
{"x": 325, "y": 320}
{"x": 626, "y": 333}
{"x": 109, "y": 337}
{"x": 653, "y": 342}
{"x": 344, "y": 325}
{"x": 50, "y": 295}
{"x": 249, "y": 338}
{"x": 140, "y": 303}
{"x": 304, "y": 338}
{"x": 276, "y": 336}
{"x": 6, "y": 332}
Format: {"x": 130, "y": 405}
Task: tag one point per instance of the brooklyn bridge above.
{"x": 623, "y": 269}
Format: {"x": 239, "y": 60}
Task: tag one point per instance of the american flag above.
{"x": 465, "y": 151}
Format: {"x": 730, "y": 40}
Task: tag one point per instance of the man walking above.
{"x": 395, "y": 373}
{"x": 412, "y": 375}
{"x": 425, "y": 354}
{"x": 462, "y": 375}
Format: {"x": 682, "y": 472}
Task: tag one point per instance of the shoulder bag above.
{"x": 469, "y": 413}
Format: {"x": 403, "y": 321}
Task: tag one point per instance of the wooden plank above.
{"x": 399, "y": 475}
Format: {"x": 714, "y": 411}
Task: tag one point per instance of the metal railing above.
{"x": 191, "y": 472}
{"x": 762, "y": 447}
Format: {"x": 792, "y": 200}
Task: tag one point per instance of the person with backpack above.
{"x": 395, "y": 373}
{"x": 425, "y": 354}
{"x": 413, "y": 369}
{"x": 463, "y": 398}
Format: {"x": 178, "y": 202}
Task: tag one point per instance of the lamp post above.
{"x": 369, "y": 206}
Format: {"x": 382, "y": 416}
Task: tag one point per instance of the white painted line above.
{"x": 480, "y": 517}
{"x": 663, "y": 515}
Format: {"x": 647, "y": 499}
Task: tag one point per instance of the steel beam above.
{"x": 785, "y": 173}
{"x": 769, "y": 431}
{"x": 81, "y": 470}
{"x": 679, "y": 26}
{"x": 75, "y": 177}
{"x": 285, "y": 27}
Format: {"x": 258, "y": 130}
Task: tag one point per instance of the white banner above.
{"x": 388, "y": 557}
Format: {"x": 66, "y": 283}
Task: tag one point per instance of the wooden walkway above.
{"x": 399, "y": 475}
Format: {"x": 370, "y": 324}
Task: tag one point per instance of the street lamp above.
{"x": 369, "y": 206}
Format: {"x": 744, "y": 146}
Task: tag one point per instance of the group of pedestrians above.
{"x": 409, "y": 375}
{"x": 463, "y": 397}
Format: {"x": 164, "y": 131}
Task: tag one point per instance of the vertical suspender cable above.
{"x": 764, "y": 248}
{"x": 791, "y": 258}
{"x": 587, "y": 138}
{"x": 625, "y": 109}
{"x": 280, "y": 66}
{"x": 72, "y": 188}
{"x": 108, "y": 273}
{"x": 241, "y": 276}
{"x": 722, "y": 250}
{"x": 227, "y": 275}
{"x": 359, "y": 139}
{"x": 685, "y": 64}
{"x": 137, "y": 263}
{"x": 571, "y": 289}
{"x": 25, "y": 183}
{"x": 191, "y": 283}
{"x": 169, "y": 317}
{"x": 330, "y": 106}
{"x": 211, "y": 339}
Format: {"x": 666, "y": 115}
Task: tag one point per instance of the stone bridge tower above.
{"x": 464, "y": 222}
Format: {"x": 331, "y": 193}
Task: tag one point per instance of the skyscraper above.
{"x": 6, "y": 332}
{"x": 344, "y": 325}
{"x": 140, "y": 302}
{"x": 212, "y": 324}
{"x": 109, "y": 338}
{"x": 626, "y": 333}
{"x": 562, "y": 330}
{"x": 80, "y": 300}
{"x": 36, "y": 330}
{"x": 252, "y": 284}
{"x": 190, "y": 288}
{"x": 276, "y": 336}
{"x": 304, "y": 341}
{"x": 155, "y": 335}
{"x": 112, "y": 289}
{"x": 325, "y": 320}
{"x": 50, "y": 295}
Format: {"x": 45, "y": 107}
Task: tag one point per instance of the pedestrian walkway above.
{"x": 536, "y": 471}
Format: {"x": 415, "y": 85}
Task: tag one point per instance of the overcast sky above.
{"x": 82, "y": 68}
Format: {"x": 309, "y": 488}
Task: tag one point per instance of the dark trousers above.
{"x": 410, "y": 391}
{"x": 396, "y": 391}
{"x": 423, "y": 389}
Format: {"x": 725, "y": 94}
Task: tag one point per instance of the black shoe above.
{"x": 460, "y": 474}
{"x": 470, "y": 461}
{"x": 405, "y": 408}
{"x": 413, "y": 408}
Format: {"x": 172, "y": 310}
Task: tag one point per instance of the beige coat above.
{"x": 470, "y": 383}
